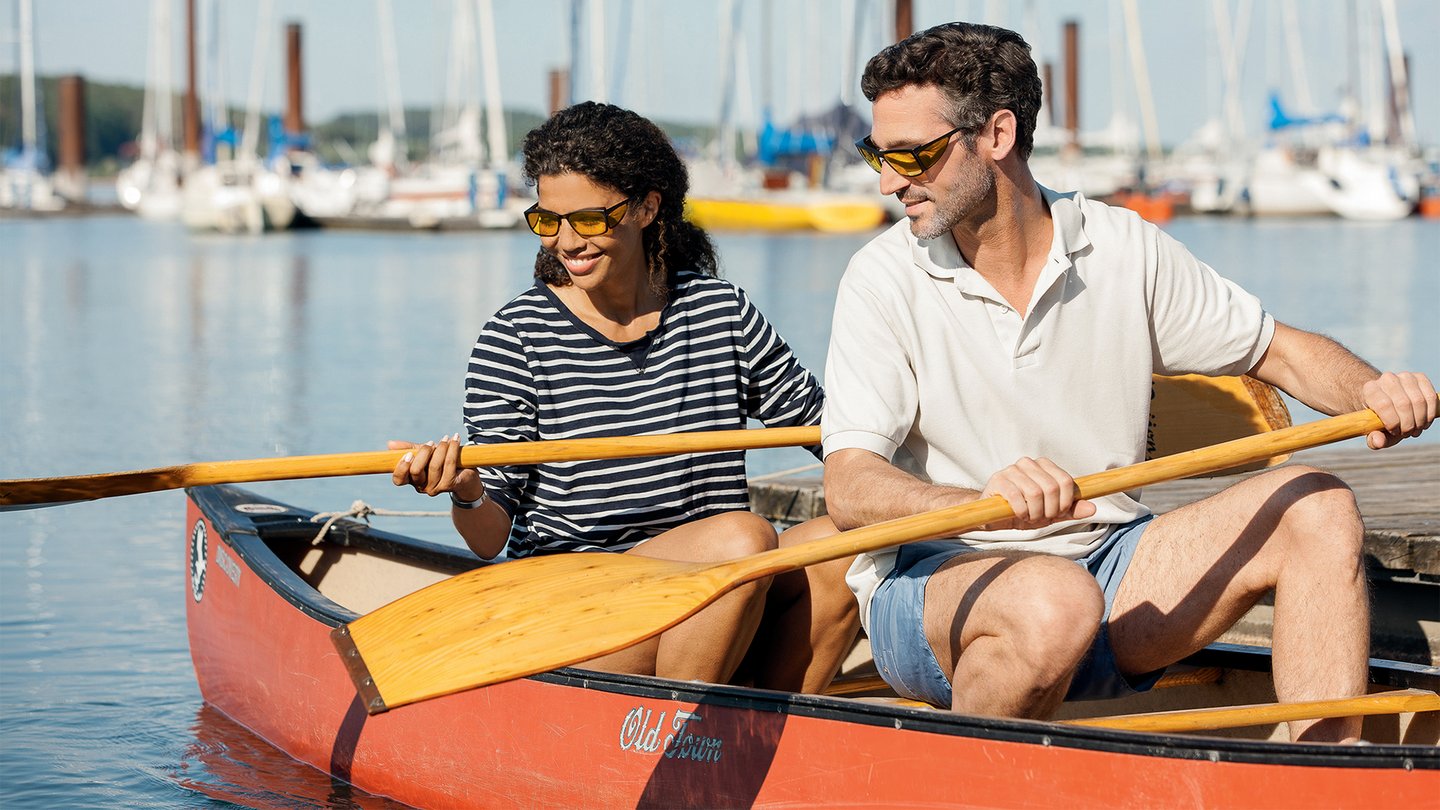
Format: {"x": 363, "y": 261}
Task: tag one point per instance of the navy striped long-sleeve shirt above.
{"x": 538, "y": 372}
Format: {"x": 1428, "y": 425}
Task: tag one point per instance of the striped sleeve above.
{"x": 778, "y": 390}
{"x": 500, "y": 404}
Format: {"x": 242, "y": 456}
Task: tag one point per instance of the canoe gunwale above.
{"x": 247, "y": 535}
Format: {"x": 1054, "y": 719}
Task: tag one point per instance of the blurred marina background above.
{"x": 278, "y": 113}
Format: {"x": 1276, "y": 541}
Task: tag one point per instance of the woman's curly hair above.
{"x": 621, "y": 149}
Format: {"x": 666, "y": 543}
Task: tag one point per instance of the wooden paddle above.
{"x": 535, "y": 614}
{"x": 1264, "y": 714}
{"x": 1186, "y": 412}
{"x": 30, "y": 492}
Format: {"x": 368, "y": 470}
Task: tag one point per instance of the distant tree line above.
{"x": 113, "y": 119}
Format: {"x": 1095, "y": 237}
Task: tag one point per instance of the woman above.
{"x": 628, "y": 331}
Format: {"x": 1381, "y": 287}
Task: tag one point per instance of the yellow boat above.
{"x": 825, "y": 213}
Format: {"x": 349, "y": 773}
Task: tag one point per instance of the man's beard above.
{"x": 970, "y": 194}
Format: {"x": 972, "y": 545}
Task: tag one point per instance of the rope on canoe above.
{"x": 362, "y": 511}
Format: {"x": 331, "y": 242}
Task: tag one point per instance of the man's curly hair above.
{"x": 621, "y": 149}
{"x": 978, "y": 68}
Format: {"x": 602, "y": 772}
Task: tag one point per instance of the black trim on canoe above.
{"x": 249, "y": 532}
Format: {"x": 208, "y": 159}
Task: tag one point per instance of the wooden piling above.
{"x": 70, "y": 174}
{"x": 904, "y": 19}
{"x": 1072, "y": 83}
{"x": 190, "y": 109}
{"x": 294, "y": 97}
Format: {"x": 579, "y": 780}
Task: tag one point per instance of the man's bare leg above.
{"x": 1198, "y": 569}
{"x": 1012, "y": 628}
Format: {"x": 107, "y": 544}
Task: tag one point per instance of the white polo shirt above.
{"x": 931, "y": 368}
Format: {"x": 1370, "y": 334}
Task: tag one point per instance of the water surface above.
{"x": 126, "y": 344}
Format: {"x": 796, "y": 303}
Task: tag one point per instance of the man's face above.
{"x": 956, "y": 188}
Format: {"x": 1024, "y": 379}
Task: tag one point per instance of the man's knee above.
{"x": 1318, "y": 508}
{"x": 1054, "y": 612}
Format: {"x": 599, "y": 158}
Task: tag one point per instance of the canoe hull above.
{"x": 259, "y": 641}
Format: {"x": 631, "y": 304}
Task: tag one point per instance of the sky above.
{"x": 664, "y": 58}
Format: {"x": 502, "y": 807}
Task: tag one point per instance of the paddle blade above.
{"x": 515, "y": 619}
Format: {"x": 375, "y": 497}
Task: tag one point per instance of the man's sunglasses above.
{"x": 907, "y": 162}
{"x": 586, "y": 221}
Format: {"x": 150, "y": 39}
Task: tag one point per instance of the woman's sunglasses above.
{"x": 906, "y": 162}
{"x": 586, "y": 221}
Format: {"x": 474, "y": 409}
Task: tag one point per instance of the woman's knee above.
{"x": 830, "y": 597}
{"x": 743, "y": 533}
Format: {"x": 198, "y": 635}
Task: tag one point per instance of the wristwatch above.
{"x": 475, "y": 504}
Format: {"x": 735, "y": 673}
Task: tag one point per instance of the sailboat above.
{"x": 464, "y": 183}
{"x": 773, "y": 196}
{"x": 1366, "y": 178}
{"x": 1228, "y": 172}
{"x": 1321, "y": 164}
{"x": 234, "y": 191}
{"x": 151, "y": 185}
{"x": 25, "y": 181}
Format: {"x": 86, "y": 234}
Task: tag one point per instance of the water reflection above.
{"x": 126, "y": 344}
{"x": 228, "y": 763}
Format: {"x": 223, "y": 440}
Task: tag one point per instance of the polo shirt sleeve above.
{"x": 1201, "y": 323}
{"x": 870, "y": 390}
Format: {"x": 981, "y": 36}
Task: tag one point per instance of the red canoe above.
{"x": 259, "y": 636}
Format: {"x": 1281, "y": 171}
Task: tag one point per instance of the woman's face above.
{"x": 614, "y": 257}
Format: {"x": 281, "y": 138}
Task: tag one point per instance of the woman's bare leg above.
{"x": 810, "y": 623}
{"x": 709, "y": 645}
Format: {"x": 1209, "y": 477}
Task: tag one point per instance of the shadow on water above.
{"x": 228, "y": 763}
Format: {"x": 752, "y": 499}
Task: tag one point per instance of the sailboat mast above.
{"x": 392, "y": 72}
{"x": 1399, "y": 75}
{"x": 729, "y": 23}
{"x": 595, "y": 15}
{"x": 29, "y": 129}
{"x": 250, "y": 138}
{"x": 490, "y": 69}
{"x": 1140, "y": 68}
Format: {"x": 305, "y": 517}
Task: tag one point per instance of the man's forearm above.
{"x": 862, "y": 488}
{"x": 1315, "y": 370}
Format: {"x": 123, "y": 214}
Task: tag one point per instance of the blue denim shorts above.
{"x": 906, "y": 661}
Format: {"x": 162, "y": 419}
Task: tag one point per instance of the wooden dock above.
{"x": 1398, "y": 491}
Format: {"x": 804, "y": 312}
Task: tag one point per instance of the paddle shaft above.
{"x": 966, "y": 517}
{"x": 1264, "y": 714}
{"x": 40, "y": 491}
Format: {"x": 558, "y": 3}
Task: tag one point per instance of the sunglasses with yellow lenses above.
{"x": 906, "y": 162}
{"x": 586, "y": 221}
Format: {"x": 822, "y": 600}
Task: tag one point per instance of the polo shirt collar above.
{"x": 941, "y": 257}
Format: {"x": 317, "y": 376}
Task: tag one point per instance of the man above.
{"x": 1004, "y": 336}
